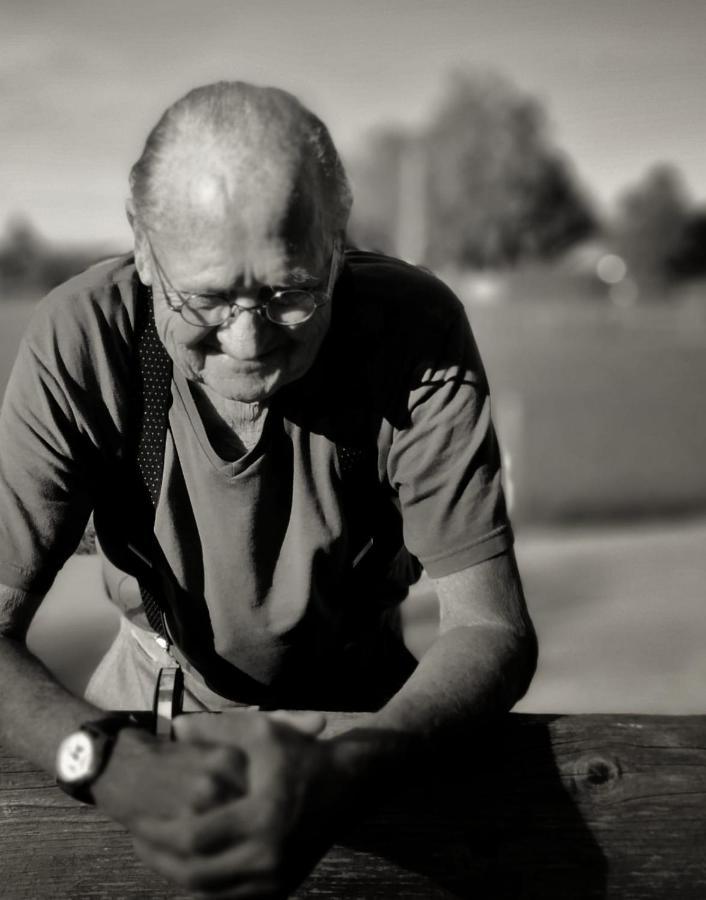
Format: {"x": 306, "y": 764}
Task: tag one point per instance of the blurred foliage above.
{"x": 490, "y": 187}
{"x": 659, "y": 233}
{"x": 498, "y": 190}
{"x": 688, "y": 259}
{"x": 650, "y": 225}
{"x": 28, "y": 264}
{"x": 375, "y": 177}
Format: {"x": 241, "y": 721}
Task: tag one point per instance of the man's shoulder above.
{"x": 396, "y": 279}
{"x": 115, "y": 271}
{"x": 107, "y": 287}
{"x": 399, "y": 303}
{"x": 88, "y": 314}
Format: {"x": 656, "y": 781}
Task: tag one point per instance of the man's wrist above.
{"x": 85, "y": 752}
{"x": 369, "y": 759}
{"x": 125, "y": 758}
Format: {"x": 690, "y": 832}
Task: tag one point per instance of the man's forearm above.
{"x": 483, "y": 660}
{"x": 468, "y": 671}
{"x": 36, "y": 712}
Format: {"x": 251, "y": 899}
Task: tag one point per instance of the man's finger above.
{"x": 236, "y": 725}
{"x": 207, "y": 832}
{"x": 312, "y": 723}
{"x": 247, "y": 863}
{"x": 220, "y": 728}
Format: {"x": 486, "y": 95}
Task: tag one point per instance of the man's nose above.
{"x": 247, "y": 332}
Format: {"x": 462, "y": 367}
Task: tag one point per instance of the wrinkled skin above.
{"x": 210, "y": 247}
{"x": 248, "y": 358}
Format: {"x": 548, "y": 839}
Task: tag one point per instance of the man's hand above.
{"x": 262, "y": 842}
{"x": 157, "y": 779}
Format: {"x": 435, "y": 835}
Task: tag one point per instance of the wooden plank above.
{"x": 577, "y": 807}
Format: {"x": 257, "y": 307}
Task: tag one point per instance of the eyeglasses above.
{"x": 289, "y": 306}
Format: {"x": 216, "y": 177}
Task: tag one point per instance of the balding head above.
{"x": 251, "y": 157}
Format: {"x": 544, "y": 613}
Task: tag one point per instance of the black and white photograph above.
{"x": 352, "y": 449}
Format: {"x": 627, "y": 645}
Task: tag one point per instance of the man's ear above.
{"x": 143, "y": 258}
{"x": 130, "y": 212}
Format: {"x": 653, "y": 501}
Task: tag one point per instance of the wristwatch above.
{"x": 83, "y": 754}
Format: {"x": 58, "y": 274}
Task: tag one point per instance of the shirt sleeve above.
{"x": 444, "y": 460}
{"x": 57, "y": 426}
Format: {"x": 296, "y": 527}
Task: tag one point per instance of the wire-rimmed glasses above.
{"x": 288, "y": 306}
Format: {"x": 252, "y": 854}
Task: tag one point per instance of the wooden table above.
{"x": 542, "y": 807}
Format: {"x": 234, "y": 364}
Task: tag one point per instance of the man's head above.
{"x": 239, "y": 189}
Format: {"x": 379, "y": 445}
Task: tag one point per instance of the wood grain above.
{"x": 573, "y": 807}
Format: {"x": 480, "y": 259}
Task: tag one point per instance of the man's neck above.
{"x": 233, "y": 427}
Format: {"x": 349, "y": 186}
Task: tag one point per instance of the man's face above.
{"x": 248, "y": 357}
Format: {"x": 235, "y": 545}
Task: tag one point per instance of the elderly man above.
{"x": 318, "y": 423}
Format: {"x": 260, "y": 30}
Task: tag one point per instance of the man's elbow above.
{"x": 524, "y": 657}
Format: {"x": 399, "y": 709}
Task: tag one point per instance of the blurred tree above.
{"x": 651, "y": 226}
{"x": 29, "y": 264}
{"x": 374, "y": 178}
{"x": 21, "y": 252}
{"x": 498, "y": 190}
{"x": 481, "y": 185}
{"x": 688, "y": 259}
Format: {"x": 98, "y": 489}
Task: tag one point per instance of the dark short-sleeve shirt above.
{"x": 256, "y": 553}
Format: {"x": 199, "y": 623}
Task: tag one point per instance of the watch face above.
{"x": 76, "y": 758}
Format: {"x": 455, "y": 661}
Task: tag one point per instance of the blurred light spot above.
{"x": 611, "y": 268}
{"x": 625, "y": 293}
{"x": 484, "y": 289}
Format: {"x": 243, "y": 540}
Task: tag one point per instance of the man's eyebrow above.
{"x": 296, "y": 277}
{"x": 299, "y": 276}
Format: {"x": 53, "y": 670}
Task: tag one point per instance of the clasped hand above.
{"x": 238, "y": 806}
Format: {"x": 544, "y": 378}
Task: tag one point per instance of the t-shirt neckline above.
{"x": 229, "y": 468}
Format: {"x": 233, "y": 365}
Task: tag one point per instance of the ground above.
{"x": 619, "y": 611}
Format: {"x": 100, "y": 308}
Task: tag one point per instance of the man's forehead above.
{"x": 230, "y": 254}
{"x": 229, "y": 198}
{"x": 252, "y": 207}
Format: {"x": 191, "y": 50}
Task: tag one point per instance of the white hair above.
{"x": 247, "y": 128}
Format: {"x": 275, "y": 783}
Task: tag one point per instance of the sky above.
{"x": 83, "y": 81}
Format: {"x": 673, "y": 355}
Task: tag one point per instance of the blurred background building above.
{"x": 547, "y": 161}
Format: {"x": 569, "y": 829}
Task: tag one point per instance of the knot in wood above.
{"x": 599, "y": 771}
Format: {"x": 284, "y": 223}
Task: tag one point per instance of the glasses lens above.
{"x": 291, "y": 307}
{"x": 200, "y": 312}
